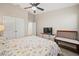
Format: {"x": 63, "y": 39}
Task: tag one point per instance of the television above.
{"x": 47, "y": 30}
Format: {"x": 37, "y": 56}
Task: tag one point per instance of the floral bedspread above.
{"x": 30, "y": 46}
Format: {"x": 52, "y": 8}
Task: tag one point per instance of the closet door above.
{"x": 9, "y": 23}
{"x": 20, "y": 27}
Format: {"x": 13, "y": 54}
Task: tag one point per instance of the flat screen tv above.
{"x": 47, "y": 30}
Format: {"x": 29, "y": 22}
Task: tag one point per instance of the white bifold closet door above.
{"x": 9, "y": 23}
{"x": 20, "y": 28}
{"x": 14, "y": 27}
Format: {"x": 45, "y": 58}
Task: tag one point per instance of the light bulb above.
{"x": 33, "y": 8}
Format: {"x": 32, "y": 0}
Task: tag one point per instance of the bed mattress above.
{"x": 30, "y": 46}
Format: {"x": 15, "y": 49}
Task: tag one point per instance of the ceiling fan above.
{"x": 34, "y": 7}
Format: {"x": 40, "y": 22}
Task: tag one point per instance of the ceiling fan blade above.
{"x": 32, "y": 4}
{"x": 36, "y": 4}
{"x": 40, "y": 8}
{"x": 28, "y": 7}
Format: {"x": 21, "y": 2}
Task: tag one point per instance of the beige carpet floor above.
{"x": 68, "y": 53}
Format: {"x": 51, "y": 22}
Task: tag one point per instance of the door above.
{"x": 34, "y": 28}
{"x": 9, "y": 23}
{"x": 20, "y": 28}
{"x": 31, "y": 28}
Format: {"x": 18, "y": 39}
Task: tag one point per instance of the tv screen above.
{"x": 47, "y": 30}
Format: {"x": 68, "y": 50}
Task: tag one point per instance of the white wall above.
{"x": 65, "y": 18}
{"x": 78, "y": 20}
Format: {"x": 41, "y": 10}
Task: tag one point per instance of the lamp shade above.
{"x": 1, "y": 28}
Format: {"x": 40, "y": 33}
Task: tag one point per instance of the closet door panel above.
{"x": 20, "y": 28}
{"x": 9, "y": 23}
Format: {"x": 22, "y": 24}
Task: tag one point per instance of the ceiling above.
{"x": 46, "y": 6}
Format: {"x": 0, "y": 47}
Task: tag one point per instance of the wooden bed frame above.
{"x": 72, "y": 35}
{"x": 67, "y": 34}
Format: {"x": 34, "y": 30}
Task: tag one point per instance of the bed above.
{"x": 30, "y": 46}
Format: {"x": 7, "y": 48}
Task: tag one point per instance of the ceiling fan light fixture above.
{"x": 34, "y": 8}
